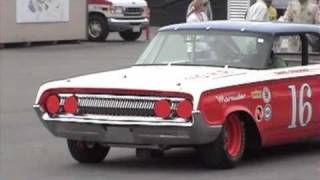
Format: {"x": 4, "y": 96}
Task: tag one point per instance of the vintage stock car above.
{"x": 221, "y": 87}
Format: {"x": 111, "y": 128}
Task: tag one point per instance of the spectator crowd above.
{"x": 298, "y": 11}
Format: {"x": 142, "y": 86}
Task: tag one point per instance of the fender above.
{"x": 217, "y": 104}
{"x": 96, "y": 8}
{"x": 236, "y": 108}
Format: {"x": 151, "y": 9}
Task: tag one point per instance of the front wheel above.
{"x": 97, "y": 28}
{"x": 129, "y": 35}
{"x": 227, "y": 150}
{"x": 85, "y": 152}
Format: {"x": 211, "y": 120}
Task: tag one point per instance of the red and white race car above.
{"x": 221, "y": 87}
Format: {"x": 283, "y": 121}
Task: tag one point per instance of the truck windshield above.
{"x": 208, "y": 48}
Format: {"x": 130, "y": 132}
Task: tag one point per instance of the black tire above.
{"x": 98, "y": 28}
{"x": 129, "y": 35}
{"x": 85, "y": 153}
{"x": 218, "y": 154}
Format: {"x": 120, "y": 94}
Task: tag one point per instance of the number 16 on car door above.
{"x": 295, "y": 108}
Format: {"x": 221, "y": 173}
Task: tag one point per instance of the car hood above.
{"x": 187, "y": 79}
{"x": 129, "y": 3}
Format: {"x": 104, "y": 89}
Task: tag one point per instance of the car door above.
{"x": 295, "y": 92}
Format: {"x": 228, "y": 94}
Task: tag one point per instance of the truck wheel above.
{"x": 129, "y": 35}
{"x": 227, "y": 150}
{"x": 97, "y": 28}
{"x": 85, "y": 152}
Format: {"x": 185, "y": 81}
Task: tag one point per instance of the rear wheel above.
{"x": 85, "y": 152}
{"x": 129, "y": 35}
{"x": 227, "y": 150}
{"x": 97, "y": 28}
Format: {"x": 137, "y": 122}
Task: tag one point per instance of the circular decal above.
{"x": 266, "y": 95}
{"x": 259, "y": 113}
{"x": 267, "y": 112}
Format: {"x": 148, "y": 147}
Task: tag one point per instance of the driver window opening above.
{"x": 288, "y": 50}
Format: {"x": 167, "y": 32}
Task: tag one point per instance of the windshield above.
{"x": 209, "y": 48}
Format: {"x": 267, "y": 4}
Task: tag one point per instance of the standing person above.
{"x": 258, "y": 12}
{"x": 208, "y": 9}
{"x": 198, "y": 12}
{"x": 272, "y": 11}
{"x": 302, "y": 11}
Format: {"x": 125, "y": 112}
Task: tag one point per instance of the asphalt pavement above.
{"x": 29, "y": 152}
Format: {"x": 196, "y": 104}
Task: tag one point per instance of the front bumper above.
{"x": 118, "y": 24}
{"x": 133, "y": 134}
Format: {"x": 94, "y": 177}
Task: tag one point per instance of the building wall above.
{"x": 10, "y": 31}
{"x": 164, "y": 12}
{"x": 237, "y": 9}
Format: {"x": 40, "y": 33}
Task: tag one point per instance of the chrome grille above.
{"x": 119, "y": 105}
{"x": 133, "y": 11}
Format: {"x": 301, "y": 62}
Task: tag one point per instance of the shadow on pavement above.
{"x": 188, "y": 159}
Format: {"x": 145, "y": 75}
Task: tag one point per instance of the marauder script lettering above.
{"x": 226, "y": 99}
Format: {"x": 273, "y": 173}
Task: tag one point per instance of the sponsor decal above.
{"x": 266, "y": 95}
{"x": 295, "y": 71}
{"x": 208, "y": 75}
{"x": 267, "y": 112}
{"x": 260, "y": 40}
{"x": 257, "y": 94}
{"x": 216, "y": 74}
{"x": 264, "y": 111}
{"x": 259, "y": 114}
{"x": 226, "y": 99}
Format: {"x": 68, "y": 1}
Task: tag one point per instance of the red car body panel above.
{"x": 273, "y": 126}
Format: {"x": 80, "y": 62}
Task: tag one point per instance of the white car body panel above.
{"x": 186, "y": 79}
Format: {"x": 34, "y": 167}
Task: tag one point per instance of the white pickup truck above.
{"x": 128, "y": 17}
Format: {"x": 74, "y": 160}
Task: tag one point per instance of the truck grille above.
{"x": 119, "y": 105}
{"x": 133, "y": 11}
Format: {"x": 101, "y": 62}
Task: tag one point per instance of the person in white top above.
{"x": 258, "y": 12}
{"x": 198, "y": 12}
{"x": 208, "y": 9}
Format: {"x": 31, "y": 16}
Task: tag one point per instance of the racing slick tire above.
{"x": 85, "y": 152}
{"x": 227, "y": 151}
{"x": 129, "y": 35}
{"x": 98, "y": 29}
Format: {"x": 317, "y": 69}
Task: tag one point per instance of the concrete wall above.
{"x": 10, "y": 31}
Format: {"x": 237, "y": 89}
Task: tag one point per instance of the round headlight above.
{"x": 52, "y": 104}
{"x": 184, "y": 109}
{"x": 71, "y": 105}
{"x": 162, "y": 108}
